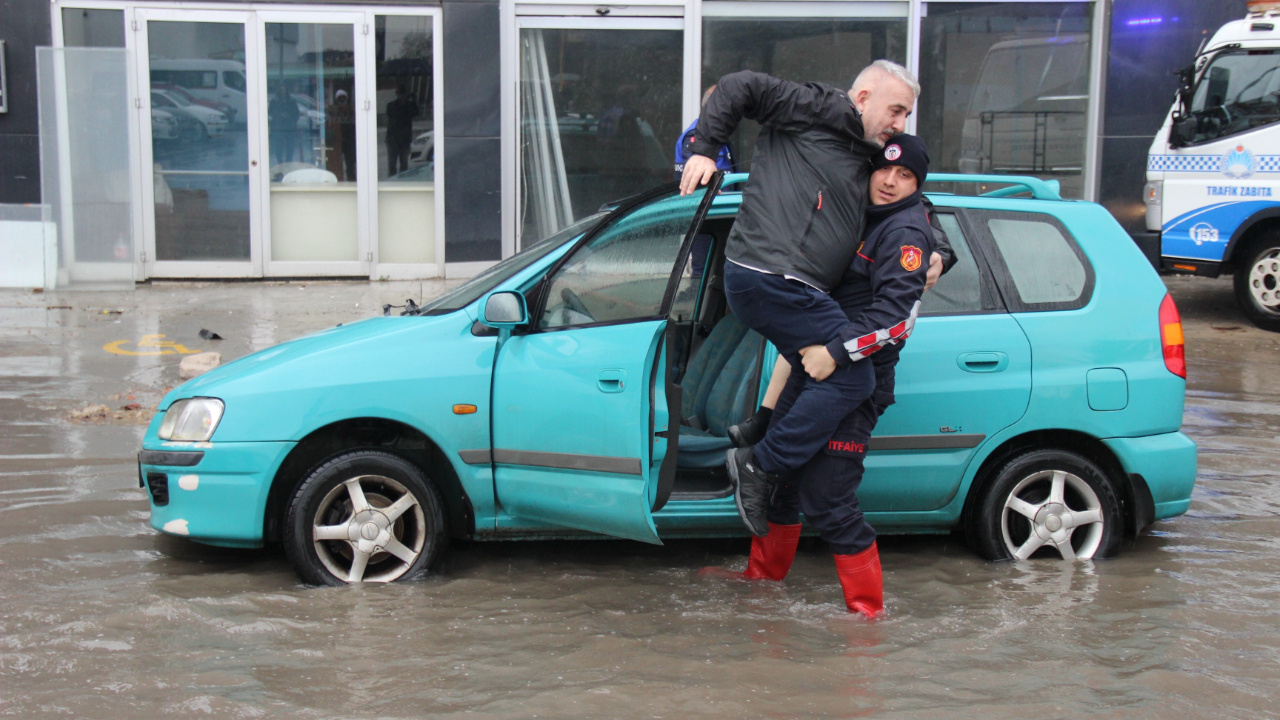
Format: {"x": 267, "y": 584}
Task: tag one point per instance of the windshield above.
{"x": 1237, "y": 92}
{"x": 473, "y": 289}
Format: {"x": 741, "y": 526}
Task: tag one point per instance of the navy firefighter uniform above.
{"x": 880, "y": 294}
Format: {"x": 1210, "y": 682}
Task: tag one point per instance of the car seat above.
{"x": 718, "y": 391}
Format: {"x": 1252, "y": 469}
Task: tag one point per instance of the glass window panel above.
{"x": 311, "y": 122}
{"x": 960, "y": 289}
{"x": 599, "y": 113}
{"x": 82, "y": 27}
{"x": 199, "y": 141}
{"x": 828, "y": 50}
{"x": 85, "y": 167}
{"x": 1044, "y": 267}
{"x": 406, "y": 139}
{"x": 1005, "y": 88}
{"x": 623, "y": 273}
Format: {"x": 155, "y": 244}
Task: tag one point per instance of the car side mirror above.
{"x": 505, "y": 310}
{"x": 1183, "y": 131}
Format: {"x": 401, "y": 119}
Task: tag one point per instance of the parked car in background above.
{"x": 584, "y": 386}
{"x": 218, "y": 80}
{"x": 212, "y": 123}
{"x": 228, "y": 110}
{"x": 164, "y": 126}
{"x": 423, "y": 148}
{"x": 310, "y": 115}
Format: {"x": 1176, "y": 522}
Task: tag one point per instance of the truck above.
{"x": 1213, "y": 171}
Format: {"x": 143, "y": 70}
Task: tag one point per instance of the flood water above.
{"x": 101, "y": 617}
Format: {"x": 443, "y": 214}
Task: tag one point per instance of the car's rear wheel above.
{"x": 1257, "y": 282}
{"x": 364, "y": 516}
{"x": 1047, "y": 503}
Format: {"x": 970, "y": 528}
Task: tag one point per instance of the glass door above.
{"x": 318, "y": 112}
{"x": 197, "y": 84}
{"x": 599, "y": 105}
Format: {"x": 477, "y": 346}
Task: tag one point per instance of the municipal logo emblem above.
{"x": 1202, "y": 233}
{"x": 911, "y": 257}
{"x": 1239, "y": 163}
{"x": 892, "y": 152}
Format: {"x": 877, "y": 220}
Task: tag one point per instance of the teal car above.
{"x": 584, "y": 386}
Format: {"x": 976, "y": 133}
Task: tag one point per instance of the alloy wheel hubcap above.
{"x": 369, "y": 529}
{"x": 1046, "y": 509}
{"x": 1264, "y": 281}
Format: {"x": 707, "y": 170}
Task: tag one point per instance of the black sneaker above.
{"x": 753, "y": 490}
{"x": 749, "y": 431}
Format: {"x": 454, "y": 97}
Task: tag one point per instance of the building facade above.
{"x": 380, "y": 140}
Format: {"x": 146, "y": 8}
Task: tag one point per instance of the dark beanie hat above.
{"x": 905, "y": 150}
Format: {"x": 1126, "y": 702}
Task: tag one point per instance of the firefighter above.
{"x": 880, "y": 295}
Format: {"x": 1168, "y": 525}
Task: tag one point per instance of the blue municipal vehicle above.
{"x": 583, "y": 387}
{"x": 1213, "y": 171}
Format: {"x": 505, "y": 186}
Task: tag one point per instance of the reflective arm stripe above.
{"x": 866, "y": 345}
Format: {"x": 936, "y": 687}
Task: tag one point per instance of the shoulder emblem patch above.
{"x": 911, "y": 258}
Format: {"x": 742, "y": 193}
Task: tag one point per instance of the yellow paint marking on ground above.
{"x": 149, "y": 345}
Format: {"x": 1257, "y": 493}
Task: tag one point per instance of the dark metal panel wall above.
{"x": 472, "y": 127}
{"x": 24, "y": 24}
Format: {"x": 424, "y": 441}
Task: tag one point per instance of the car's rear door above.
{"x": 580, "y": 421}
{"x": 964, "y": 375}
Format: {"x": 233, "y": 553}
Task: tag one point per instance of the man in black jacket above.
{"x": 795, "y": 235}
{"x": 880, "y": 295}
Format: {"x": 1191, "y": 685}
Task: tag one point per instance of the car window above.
{"x": 1043, "y": 263}
{"x": 686, "y": 297}
{"x": 960, "y": 290}
{"x": 233, "y": 79}
{"x": 622, "y": 273}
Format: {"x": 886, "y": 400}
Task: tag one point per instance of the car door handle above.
{"x": 612, "y": 381}
{"x": 983, "y": 362}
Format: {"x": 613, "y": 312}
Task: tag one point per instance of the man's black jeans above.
{"x": 792, "y": 315}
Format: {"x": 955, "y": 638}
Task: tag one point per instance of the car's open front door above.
{"x": 581, "y": 431}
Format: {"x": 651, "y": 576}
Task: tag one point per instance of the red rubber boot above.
{"x": 861, "y": 581}
{"x": 770, "y": 559}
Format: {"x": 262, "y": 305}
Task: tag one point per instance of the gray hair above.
{"x": 890, "y": 68}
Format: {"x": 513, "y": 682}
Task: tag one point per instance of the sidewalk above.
{"x": 66, "y": 349}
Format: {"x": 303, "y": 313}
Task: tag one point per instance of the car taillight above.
{"x": 1171, "y": 342}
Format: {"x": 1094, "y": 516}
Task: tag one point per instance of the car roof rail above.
{"x": 1015, "y": 184}
{"x": 734, "y": 178}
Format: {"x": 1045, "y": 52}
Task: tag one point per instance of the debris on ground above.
{"x": 91, "y": 412}
{"x": 199, "y": 364}
{"x": 209, "y": 335}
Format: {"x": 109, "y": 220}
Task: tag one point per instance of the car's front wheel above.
{"x": 364, "y": 516}
{"x": 1257, "y": 282}
{"x": 1047, "y": 503}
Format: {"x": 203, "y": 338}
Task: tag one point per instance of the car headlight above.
{"x": 192, "y": 419}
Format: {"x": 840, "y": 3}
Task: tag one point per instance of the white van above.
{"x": 1213, "y": 170}
{"x": 1028, "y": 111}
{"x": 219, "y": 80}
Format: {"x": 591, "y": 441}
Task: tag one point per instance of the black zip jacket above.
{"x": 803, "y": 208}
{"x": 881, "y": 288}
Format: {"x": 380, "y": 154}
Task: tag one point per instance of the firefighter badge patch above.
{"x": 911, "y": 258}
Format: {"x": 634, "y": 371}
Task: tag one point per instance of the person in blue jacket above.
{"x": 724, "y": 162}
{"x": 880, "y": 294}
{"x": 724, "y": 159}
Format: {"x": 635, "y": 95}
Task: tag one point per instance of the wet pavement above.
{"x": 101, "y": 617}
